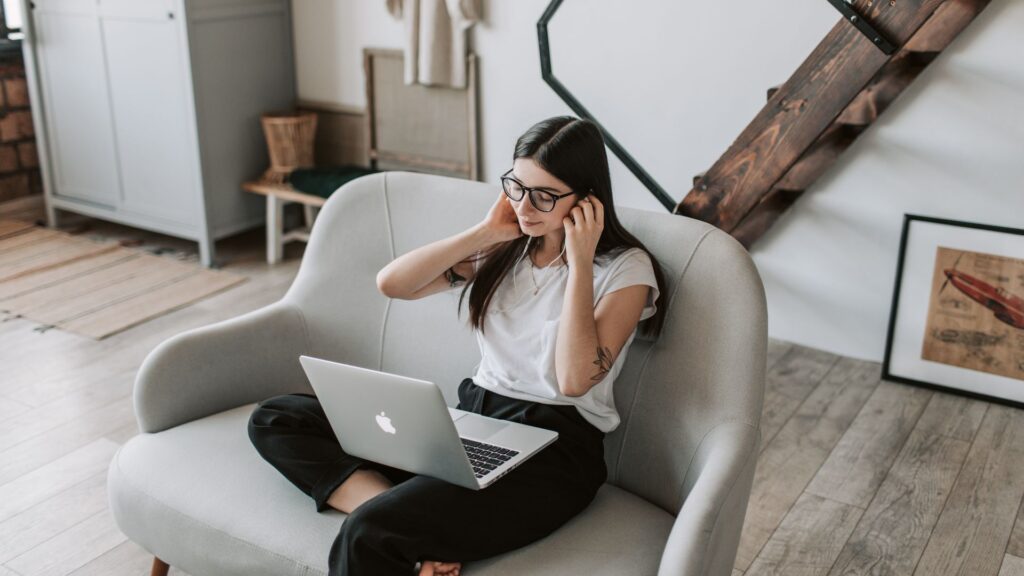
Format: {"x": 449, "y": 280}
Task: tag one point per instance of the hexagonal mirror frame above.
{"x": 549, "y": 77}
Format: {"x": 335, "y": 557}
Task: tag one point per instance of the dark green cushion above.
{"x": 323, "y": 181}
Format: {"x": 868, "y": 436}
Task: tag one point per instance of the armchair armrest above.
{"x": 220, "y": 366}
{"x": 706, "y": 533}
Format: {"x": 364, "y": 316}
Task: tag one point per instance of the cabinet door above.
{"x": 153, "y": 118}
{"x": 69, "y": 52}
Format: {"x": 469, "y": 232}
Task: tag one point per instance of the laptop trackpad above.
{"x": 479, "y": 428}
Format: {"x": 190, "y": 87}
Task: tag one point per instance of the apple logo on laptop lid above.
{"x": 385, "y": 423}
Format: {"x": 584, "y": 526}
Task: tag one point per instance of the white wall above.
{"x": 677, "y": 82}
{"x": 329, "y": 40}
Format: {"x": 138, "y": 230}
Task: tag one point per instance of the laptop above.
{"x": 404, "y": 423}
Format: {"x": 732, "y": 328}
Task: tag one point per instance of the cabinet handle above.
{"x": 170, "y": 15}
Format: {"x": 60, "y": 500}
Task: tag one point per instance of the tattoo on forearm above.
{"x": 603, "y": 363}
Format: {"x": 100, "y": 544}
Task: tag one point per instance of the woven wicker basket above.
{"x": 289, "y": 141}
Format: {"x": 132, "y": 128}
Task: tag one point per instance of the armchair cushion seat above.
{"x": 204, "y": 479}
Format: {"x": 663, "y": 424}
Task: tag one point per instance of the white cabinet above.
{"x": 147, "y": 111}
{"x": 84, "y": 163}
{"x": 152, "y": 117}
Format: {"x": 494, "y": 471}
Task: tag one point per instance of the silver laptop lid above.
{"x": 391, "y": 419}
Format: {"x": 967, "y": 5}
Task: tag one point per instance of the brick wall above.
{"x": 19, "y": 162}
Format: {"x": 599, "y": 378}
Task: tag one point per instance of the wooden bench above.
{"x": 414, "y": 128}
{"x": 277, "y": 196}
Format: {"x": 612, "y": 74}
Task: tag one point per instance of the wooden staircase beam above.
{"x": 883, "y": 89}
{"x": 799, "y": 118}
{"x": 949, "y": 20}
{"x": 764, "y": 215}
{"x": 922, "y": 48}
{"x": 821, "y": 155}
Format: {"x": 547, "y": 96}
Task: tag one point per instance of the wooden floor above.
{"x": 856, "y": 475}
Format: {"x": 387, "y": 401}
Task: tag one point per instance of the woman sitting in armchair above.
{"x": 550, "y": 352}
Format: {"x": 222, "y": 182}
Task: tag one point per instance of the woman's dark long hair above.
{"x": 573, "y": 151}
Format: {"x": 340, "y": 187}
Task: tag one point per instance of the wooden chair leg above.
{"x": 160, "y": 567}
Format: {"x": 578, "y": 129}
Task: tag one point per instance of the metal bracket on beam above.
{"x": 845, "y": 8}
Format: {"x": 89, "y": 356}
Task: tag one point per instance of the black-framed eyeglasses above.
{"x": 542, "y": 200}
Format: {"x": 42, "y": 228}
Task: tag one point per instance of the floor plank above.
{"x": 124, "y": 433}
{"x": 48, "y": 481}
{"x": 76, "y": 404}
{"x": 776, "y": 350}
{"x": 1012, "y": 566}
{"x": 972, "y": 533}
{"x": 863, "y": 456}
{"x": 72, "y": 548}
{"x": 796, "y": 453}
{"x": 49, "y": 518}
{"x": 38, "y": 450}
{"x": 954, "y": 416}
{"x": 893, "y": 532}
{"x": 1016, "y": 545}
{"x": 125, "y": 558}
{"x": 9, "y": 408}
{"x": 793, "y": 377}
{"x": 808, "y": 539}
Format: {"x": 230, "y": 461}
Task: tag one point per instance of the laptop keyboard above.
{"x": 486, "y": 457}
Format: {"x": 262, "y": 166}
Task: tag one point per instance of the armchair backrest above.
{"x": 706, "y": 367}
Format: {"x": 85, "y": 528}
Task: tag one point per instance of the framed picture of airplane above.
{"x": 957, "y": 316}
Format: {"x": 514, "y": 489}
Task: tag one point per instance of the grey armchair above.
{"x": 191, "y": 489}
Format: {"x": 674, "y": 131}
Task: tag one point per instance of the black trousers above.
{"x": 422, "y": 518}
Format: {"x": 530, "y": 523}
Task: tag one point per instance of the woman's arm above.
{"x": 424, "y": 271}
{"x": 445, "y": 263}
{"x": 589, "y": 339}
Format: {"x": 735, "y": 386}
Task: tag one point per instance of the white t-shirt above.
{"x": 518, "y": 349}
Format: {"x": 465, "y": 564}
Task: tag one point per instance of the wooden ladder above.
{"x": 838, "y": 91}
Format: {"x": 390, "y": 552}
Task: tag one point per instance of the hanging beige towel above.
{"x": 435, "y": 39}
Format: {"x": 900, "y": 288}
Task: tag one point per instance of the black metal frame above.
{"x": 527, "y": 191}
{"x": 845, "y": 8}
{"x": 568, "y": 98}
{"x": 893, "y": 308}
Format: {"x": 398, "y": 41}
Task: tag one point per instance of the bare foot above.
{"x": 432, "y": 568}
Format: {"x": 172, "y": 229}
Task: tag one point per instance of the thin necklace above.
{"x": 533, "y": 278}
{"x": 515, "y": 270}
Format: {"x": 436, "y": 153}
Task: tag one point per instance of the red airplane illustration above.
{"x": 1006, "y": 307}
